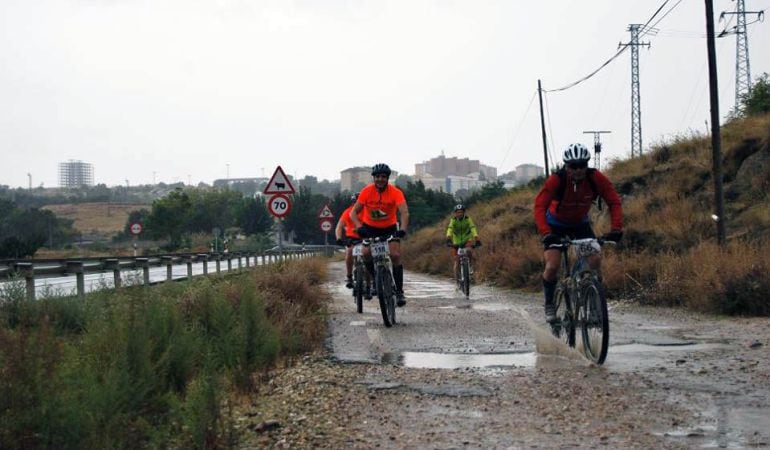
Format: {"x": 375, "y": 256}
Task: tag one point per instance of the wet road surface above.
{"x": 672, "y": 378}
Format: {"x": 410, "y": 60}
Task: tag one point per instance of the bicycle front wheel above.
{"x": 358, "y": 287}
{"x": 386, "y": 295}
{"x": 594, "y": 322}
{"x": 564, "y": 327}
{"x": 465, "y": 277}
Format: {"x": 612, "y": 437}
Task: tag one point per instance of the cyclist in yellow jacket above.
{"x": 461, "y": 232}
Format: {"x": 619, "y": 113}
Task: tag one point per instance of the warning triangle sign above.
{"x": 325, "y": 213}
{"x": 279, "y": 183}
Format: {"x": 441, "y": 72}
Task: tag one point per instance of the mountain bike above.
{"x": 463, "y": 275}
{"x": 359, "y": 274}
{"x": 383, "y": 273}
{"x": 579, "y": 299}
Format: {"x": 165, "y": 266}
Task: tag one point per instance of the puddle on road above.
{"x": 731, "y": 427}
{"x": 479, "y": 306}
{"x": 427, "y": 360}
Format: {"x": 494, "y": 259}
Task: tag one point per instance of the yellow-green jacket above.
{"x": 461, "y": 230}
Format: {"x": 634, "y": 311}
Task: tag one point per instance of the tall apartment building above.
{"x": 75, "y": 174}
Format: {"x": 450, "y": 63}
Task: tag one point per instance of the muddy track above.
{"x": 485, "y": 373}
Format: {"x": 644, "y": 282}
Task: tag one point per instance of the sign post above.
{"x": 136, "y": 230}
{"x": 326, "y": 217}
{"x": 279, "y": 204}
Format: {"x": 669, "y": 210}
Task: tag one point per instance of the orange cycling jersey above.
{"x": 380, "y": 207}
{"x": 350, "y": 227}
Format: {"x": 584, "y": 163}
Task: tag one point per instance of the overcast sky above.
{"x": 180, "y": 90}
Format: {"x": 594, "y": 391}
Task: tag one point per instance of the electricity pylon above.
{"x": 597, "y": 146}
{"x": 742, "y": 66}
{"x": 636, "y": 109}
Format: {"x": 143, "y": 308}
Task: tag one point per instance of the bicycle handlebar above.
{"x": 566, "y": 242}
{"x": 458, "y": 246}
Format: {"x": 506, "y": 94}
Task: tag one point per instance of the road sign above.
{"x": 279, "y": 205}
{"x": 279, "y": 183}
{"x": 136, "y": 228}
{"x": 326, "y": 212}
{"x": 326, "y": 226}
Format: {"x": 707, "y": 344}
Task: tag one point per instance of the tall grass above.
{"x": 149, "y": 367}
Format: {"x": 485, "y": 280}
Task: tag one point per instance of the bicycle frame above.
{"x": 359, "y": 274}
{"x": 463, "y": 270}
{"x": 383, "y": 270}
{"x": 580, "y": 294}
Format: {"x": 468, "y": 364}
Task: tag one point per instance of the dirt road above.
{"x": 481, "y": 374}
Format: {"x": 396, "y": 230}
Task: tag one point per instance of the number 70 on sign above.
{"x": 279, "y": 205}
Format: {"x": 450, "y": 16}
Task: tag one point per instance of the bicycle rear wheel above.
{"x": 594, "y": 322}
{"x": 358, "y": 287}
{"x": 564, "y": 327}
{"x": 465, "y": 277}
{"x": 386, "y": 295}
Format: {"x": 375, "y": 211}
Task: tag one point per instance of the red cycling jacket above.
{"x": 576, "y": 202}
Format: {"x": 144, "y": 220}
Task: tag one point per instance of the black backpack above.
{"x": 562, "y": 174}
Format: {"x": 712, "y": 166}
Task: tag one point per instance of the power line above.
{"x": 518, "y": 129}
{"x": 550, "y": 130}
{"x": 644, "y": 29}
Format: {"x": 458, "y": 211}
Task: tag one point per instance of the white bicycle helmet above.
{"x": 576, "y": 153}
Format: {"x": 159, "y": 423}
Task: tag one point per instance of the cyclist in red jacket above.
{"x": 561, "y": 209}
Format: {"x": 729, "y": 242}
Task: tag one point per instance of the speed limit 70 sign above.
{"x": 279, "y": 205}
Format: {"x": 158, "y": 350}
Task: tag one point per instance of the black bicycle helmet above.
{"x": 380, "y": 169}
{"x": 459, "y": 207}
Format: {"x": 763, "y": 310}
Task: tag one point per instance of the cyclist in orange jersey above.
{"x": 346, "y": 235}
{"x": 383, "y": 204}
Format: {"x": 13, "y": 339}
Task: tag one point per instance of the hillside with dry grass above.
{"x": 100, "y": 219}
{"x": 669, "y": 254}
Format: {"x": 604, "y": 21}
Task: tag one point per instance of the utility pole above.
{"x": 597, "y": 146}
{"x": 636, "y": 109}
{"x": 716, "y": 141}
{"x": 29, "y": 175}
{"x": 742, "y": 67}
{"x": 542, "y": 127}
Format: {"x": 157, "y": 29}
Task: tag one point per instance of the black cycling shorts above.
{"x": 581, "y": 231}
{"x": 378, "y": 232}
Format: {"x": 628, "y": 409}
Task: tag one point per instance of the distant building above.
{"x": 526, "y": 172}
{"x": 442, "y": 167}
{"x": 75, "y": 174}
{"x": 522, "y": 174}
{"x": 355, "y": 178}
{"x": 454, "y": 174}
{"x": 472, "y": 182}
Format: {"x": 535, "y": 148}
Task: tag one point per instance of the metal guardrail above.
{"x": 32, "y": 269}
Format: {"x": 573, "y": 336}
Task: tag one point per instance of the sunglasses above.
{"x": 577, "y": 165}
